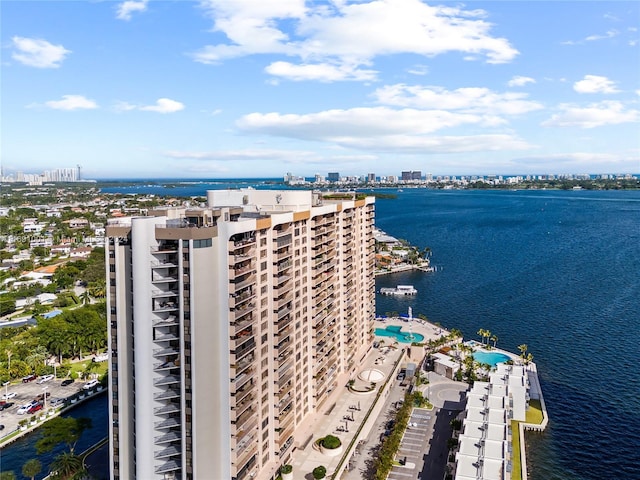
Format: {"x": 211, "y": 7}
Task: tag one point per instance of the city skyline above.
{"x": 380, "y": 86}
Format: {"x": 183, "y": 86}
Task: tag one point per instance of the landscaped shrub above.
{"x": 319, "y": 472}
{"x": 286, "y": 469}
{"x": 331, "y": 442}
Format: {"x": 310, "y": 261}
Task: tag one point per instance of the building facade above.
{"x": 231, "y": 325}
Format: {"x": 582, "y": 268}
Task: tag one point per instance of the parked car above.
{"x": 67, "y": 382}
{"x": 45, "y": 378}
{"x": 6, "y": 405}
{"x": 29, "y": 378}
{"x": 89, "y": 385}
{"x": 41, "y": 397}
{"x": 1, "y": 427}
{"x": 25, "y": 408}
{"x": 35, "y": 408}
{"x": 56, "y": 402}
{"x": 10, "y": 395}
{"x": 101, "y": 357}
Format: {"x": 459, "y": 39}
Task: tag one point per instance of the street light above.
{"x": 44, "y": 390}
{"x": 6, "y": 389}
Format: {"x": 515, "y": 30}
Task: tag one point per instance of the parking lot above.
{"x": 32, "y": 391}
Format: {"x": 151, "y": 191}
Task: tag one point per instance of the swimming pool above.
{"x": 492, "y": 358}
{"x": 402, "y": 337}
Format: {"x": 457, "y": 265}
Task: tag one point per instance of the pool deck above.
{"x": 428, "y": 330}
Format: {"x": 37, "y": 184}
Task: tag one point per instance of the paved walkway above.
{"x": 346, "y": 410}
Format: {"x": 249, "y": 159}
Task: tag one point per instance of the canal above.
{"x": 14, "y": 455}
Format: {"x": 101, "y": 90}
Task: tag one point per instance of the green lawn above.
{"x": 516, "y": 470}
{"x": 80, "y": 367}
{"x": 534, "y": 412}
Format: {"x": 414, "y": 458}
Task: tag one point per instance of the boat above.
{"x": 399, "y": 290}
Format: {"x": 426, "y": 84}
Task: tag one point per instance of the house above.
{"x": 78, "y": 223}
{"x": 31, "y": 225}
{"x": 60, "y": 249}
{"x": 444, "y": 365}
{"x": 80, "y": 252}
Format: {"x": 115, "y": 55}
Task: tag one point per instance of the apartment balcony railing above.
{"x": 236, "y": 300}
{"x": 167, "y": 380}
{"x": 171, "y": 451}
{"x": 170, "y": 466}
{"x": 167, "y": 438}
{"x": 166, "y": 351}
{"x": 245, "y": 348}
{"x": 167, "y": 394}
{"x": 169, "y": 321}
{"x": 168, "y": 423}
{"x": 171, "y": 407}
{"x": 240, "y": 283}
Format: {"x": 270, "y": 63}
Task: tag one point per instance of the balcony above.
{"x": 245, "y": 348}
{"x": 164, "y": 352}
{"x": 239, "y": 283}
{"x": 170, "y": 466}
{"x": 167, "y": 380}
{"x": 164, "y": 306}
{"x": 168, "y": 423}
{"x": 282, "y": 255}
{"x": 239, "y": 244}
{"x": 171, "y": 451}
{"x": 170, "y": 321}
{"x": 239, "y": 313}
{"x": 241, "y": 270}
{"x": 235, "y": 300}
{"x": 281, "y": 266}
{"x": 167, "y": 437}
{"x": 167, "y": 394}
{"x": 172, "y": 407}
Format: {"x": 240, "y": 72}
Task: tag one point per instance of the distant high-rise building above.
{"x": 230, "y": 326}
{"x": 371, "y": 178}
{"x": 411, "y": 175}
{"x": 333, "y": 177}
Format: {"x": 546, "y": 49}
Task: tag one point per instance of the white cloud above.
{"x": 164, "y": 105}
{"x": 72, "y": 102}
{"x": 383, "y": 129}
{"x": 594, "y": 115}
{"x": 323, "y": 72}
{"x": 366, "y": 122}
{"x": 595, "y": 84}
{"x": 519, "y": 81}
{"x": 38, "y": 53}
{"x": 419, "y": 70}
{"x": 126, "y": 9}
{"x": 471, "y": 100}
{"x": 609, "y": 34}
{"x": 340, "y": 37}
{"x": 592, "y": 38}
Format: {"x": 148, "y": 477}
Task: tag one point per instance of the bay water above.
{"x": 556, "y": 270}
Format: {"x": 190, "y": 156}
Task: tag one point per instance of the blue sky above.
{"x": 258, "y": 88}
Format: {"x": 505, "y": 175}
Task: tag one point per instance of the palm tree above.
{"x": 85, "y": 297}
{"x": 67, "y": 466}
{"x": 481, "y": 334}
{"x": 494, "y": 339}
{"x": 9, "y": 352}
{"x": 523, "y": 350}
{"x": 31, "y": 468}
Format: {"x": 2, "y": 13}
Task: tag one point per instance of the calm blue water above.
{"x": 555, "y": 270}
{"x": 490, "y": 358}
{"x": 558, "y": 271}
{"x": 403, "y": 337}
{"x": 13, "y": 456}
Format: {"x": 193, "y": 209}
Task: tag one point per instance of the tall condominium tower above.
{"x": 230, "y": 326}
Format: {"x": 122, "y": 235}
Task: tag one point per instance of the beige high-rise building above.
{"x": 232, "y": 324}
